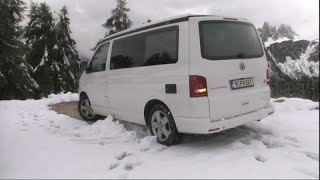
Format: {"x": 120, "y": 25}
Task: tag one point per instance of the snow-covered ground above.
{"x": 36, "y": 142}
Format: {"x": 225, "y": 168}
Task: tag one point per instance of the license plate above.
{"x": 241, "y": 83}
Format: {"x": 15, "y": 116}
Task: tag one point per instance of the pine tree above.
{"x": 41, "y": 41}
{"x": 316, "y": 88}
{"x": 15, "y": 81}
{"x": 67, "y": 54}
{"x": 119, "y": 19}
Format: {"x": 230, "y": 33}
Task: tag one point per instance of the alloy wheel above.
{"x": 160, "y": 125}
{"x": 86, "y": 110}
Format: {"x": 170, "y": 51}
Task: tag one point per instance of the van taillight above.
{"x": 268, "y": 77}
{"x": 198, "y": 86}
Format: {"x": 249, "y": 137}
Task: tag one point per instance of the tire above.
{"x": 162, "y": 125}
{"x": 85, "y": 110}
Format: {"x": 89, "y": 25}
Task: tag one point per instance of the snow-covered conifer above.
{"x": 15, "y": 81}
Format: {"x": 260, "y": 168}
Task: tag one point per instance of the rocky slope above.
{"x": 271, "y": 34}
{"x": 289, "y": 55}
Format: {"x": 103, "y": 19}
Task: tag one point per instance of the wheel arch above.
{"x": 149, "y": 105}
{"x": 83, "y": 94}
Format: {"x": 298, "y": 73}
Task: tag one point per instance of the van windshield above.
{"x": 221, "y": 40}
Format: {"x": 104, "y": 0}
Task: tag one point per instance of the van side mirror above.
{"x": 83, "y": 66}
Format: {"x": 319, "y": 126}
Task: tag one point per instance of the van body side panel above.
{"x": 96, "y": 92}
{"x": 130, "y": 89}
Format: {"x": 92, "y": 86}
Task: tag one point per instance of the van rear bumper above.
{"x": 206, "y": 126}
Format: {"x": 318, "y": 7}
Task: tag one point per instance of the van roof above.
{"x": 167, "y": 21}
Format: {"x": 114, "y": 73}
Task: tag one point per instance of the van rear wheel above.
{"x": 162, "y": 125}
{"x": 85, "y": 109}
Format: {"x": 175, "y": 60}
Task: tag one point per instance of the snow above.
{"x": 56, "y": 66}
{"x": 65, "y": 59}
{"x": 43, "y": 60}
{"x": 72, "y": 76}
{"x": 279, "y": 40}
{"x": 36, "y": 142}
{"x": 22, "y": 65}
{"x": 16, "y": 16}
{"x": 72, "y": 50}
{"x": 34, "y": 83}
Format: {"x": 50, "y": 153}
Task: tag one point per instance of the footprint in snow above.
{"x": 123, "y": 176}
{"x": 114, "y": 165}
{"x": 161, "y": 148}
{"x": 131, "y": 162}
{"x": 56, "y": 126}
{"x": 292, "y": 139}
{"x": 308, "y": 173}
{"x": 126, "y": 160}
{"x": 312, "y": 155}
{"x": 260, "y": 158}
{"x": 245, "y": 141}
{"x": 75, "y": 128}
{"x": 128, "y": 166}
{"x": 147, "y": 143}
{"x": 29, "y": 114}
{"x": 122, "y": 155}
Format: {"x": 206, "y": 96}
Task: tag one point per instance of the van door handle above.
{"x": 171, "y": 88}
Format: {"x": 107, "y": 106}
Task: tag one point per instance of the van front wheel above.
{"x": 161, "y": 124}
{"x": 85, "y": 110}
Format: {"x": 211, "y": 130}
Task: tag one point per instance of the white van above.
{"x": 194, "y": 74}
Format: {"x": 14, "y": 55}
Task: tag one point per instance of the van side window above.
{"x": 127, "y": 52}
{"x": 98, "y": 62}
{"x": 161, "y": 47}
{"x": 145, "y": 49}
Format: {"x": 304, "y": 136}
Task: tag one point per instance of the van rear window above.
{"x": 222, "y": 40}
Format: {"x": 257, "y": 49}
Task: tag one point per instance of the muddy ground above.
{"x": 71, "y": 109}
{"x": 68, "y": 108}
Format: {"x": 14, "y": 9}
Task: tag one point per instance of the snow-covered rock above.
{"x": 287, "y": 53}
{"x": 296, "y": 58}
{"x": 271, "y": 34}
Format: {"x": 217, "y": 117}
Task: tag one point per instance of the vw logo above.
{"x": 242, "y": 66}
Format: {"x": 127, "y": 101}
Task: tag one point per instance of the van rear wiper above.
{"x": 241, "y": 55}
